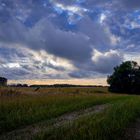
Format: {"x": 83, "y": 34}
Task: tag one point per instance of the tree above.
{"x": 3, "y": 81}
{"x": 125, "y": 78}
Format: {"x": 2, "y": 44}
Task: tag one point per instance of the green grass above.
{"x": 108, "y": 125}
{"x": 19, "y": 111}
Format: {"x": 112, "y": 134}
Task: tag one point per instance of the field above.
{"x": 66, "y": 113}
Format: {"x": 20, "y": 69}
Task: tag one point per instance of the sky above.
{"x": 67, "y": 41}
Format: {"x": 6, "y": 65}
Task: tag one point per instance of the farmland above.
{"x": 65, "y": 113}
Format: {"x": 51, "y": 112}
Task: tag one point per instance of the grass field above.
{"x": 24, "y": 107}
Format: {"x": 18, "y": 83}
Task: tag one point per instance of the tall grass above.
{"x": 108, "y": 125}
{"x": 9, "y": 92}
{"x": 65, "y": 90}
{"x": 24, "y": 110}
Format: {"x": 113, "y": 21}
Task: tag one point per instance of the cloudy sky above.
{"x": 68, "y": 41}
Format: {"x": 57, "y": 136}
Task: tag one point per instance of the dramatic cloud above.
{"x": 105, "y": 62}
{"x": 66, "y": 39}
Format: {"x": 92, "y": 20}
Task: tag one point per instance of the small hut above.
{"x": 3, "y": 81}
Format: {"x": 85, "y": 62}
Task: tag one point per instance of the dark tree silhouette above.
{"x": 3, "y": 81}
{"x": 125, "y": 78}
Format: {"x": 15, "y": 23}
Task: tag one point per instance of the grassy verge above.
{"x": 17, "y": 112}
{"x": 108, "y": 125}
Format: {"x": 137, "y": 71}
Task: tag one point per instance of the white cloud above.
{"x": 75, "y": 9}
{"x": 105, "y": 62}
{"x": 135, "y": 25}
{"x": 102, "y": 18}
{"x": 10, "y": 65}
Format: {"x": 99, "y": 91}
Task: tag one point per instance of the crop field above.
{"x": 66, "y": 114}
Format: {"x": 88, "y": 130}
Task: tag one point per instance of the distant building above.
{"x": 3, "y": 81}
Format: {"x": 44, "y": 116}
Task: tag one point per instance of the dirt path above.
{"x": 133, "y": 131}
{"x": 28, "y": 132}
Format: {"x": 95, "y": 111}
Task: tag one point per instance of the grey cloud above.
{"x": 13, "y": 32}
{"x": 38, "y": 32}
{"x": 102, "y": 63}
{"x": 87, "y": 2}
{"x": 128, "y": 4}
{"x": 98, "y": 37}
{"x": 82, "y": 74}
{"x": 23, "y": 63}
{"x": 134, "y": 4}
{"x": 105, "y": 62}
{"x": 67, "y": 44}
{"x": 74, "y": 46}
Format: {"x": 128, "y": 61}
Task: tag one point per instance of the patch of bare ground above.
{"x": 133, "y": 131}
{"x": 28, "y": 132}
